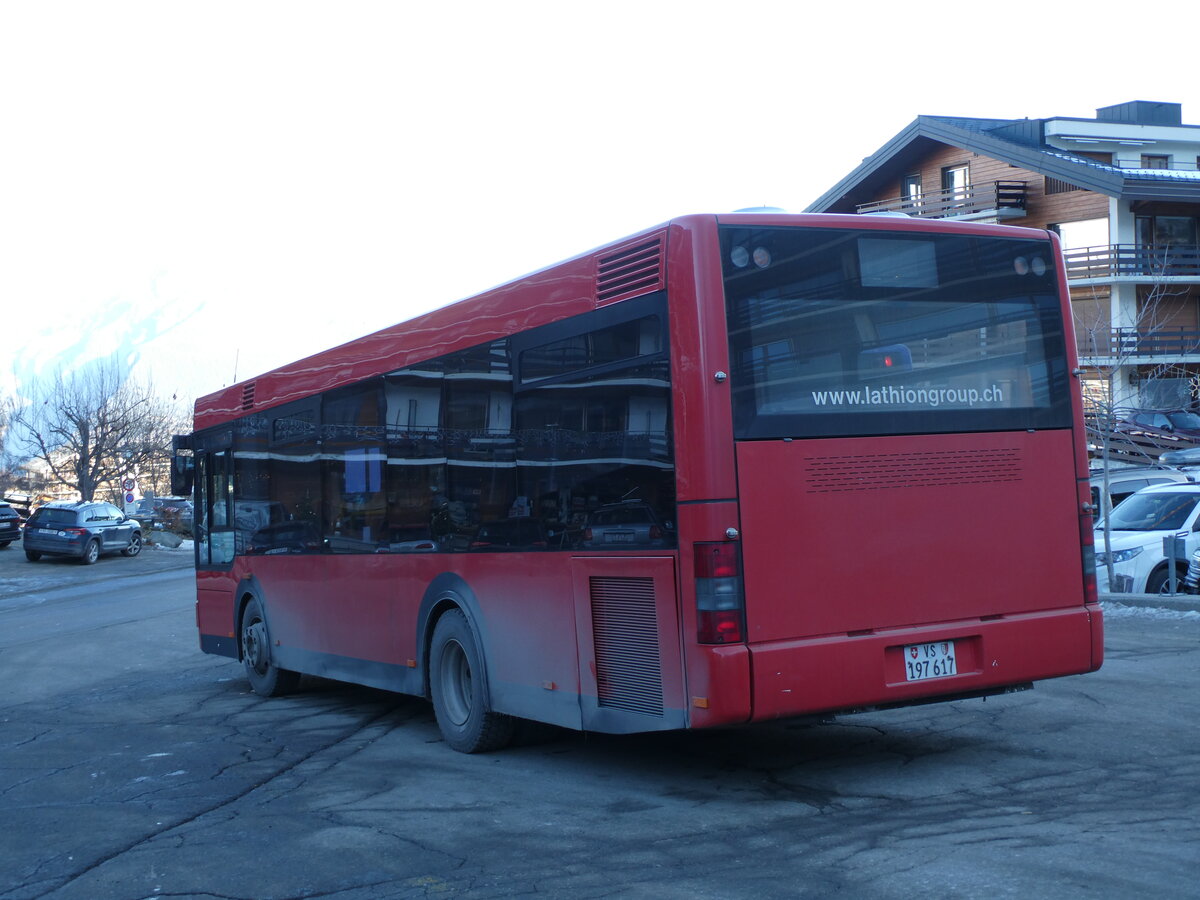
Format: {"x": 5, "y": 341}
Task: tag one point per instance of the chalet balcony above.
{"x": 1133, "y": 346}
{"x": 997, "y": 199}
{"x": 1134, "y": 261}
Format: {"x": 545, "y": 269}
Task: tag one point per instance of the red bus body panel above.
{"x": 853, "y": 548}
{"x": 844, "y": 535}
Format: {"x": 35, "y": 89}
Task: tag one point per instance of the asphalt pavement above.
{"x": 19, "y": 576}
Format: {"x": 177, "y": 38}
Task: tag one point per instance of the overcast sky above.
{"x": 213, "y": 189}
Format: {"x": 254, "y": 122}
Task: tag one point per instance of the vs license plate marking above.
{"x": 925, "y": 661}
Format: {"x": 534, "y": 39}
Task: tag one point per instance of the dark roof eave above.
{"x": 1161, "y": 189}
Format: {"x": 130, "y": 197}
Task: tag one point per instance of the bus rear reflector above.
{"x": 720, "y": 603}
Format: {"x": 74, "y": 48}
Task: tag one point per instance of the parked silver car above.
{"x": 81, "y": 528}
{"x": 630, "y": 523}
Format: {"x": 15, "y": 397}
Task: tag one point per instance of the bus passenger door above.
{"x": 627, "y": 629}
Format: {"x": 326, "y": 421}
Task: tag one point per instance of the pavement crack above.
{"x": 224, "y": 803}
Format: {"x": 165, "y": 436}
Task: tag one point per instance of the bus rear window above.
{"x": 842, "y": 333}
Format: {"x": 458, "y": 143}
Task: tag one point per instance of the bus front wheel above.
{"x": 458, "y": 692}
{"x": 266, "y": 679}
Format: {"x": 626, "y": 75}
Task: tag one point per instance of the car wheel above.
{"x": 266, "y": 679}
{"x": 1159, "y": 581}
{"x": 91, "y": 552}
{"x": 32, "y": 555}
{"x": 135, "y": 546}
{"x": 456, "y": 683}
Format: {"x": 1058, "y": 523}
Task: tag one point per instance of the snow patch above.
{"x": 1121, "y": 611}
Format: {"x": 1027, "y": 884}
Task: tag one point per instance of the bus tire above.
{"x": 456, "y": 686}
{"x": 266, "y": 679}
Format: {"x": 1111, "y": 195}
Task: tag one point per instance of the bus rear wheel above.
{"x": 266, "y": 679}
{"x": 458, "y": 692}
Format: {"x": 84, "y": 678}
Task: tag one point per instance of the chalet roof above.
{"x": 1019, "y": 142}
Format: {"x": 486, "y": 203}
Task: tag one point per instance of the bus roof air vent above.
{"x": 630, "y": 270}
{"x": 248, "y": 395}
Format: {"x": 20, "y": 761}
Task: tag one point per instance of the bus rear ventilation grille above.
{"x": 248, "y": 395}
{"x": 630, "y": 271}
{"x": 625, "y": 634}
{"x": 889, "y": 471}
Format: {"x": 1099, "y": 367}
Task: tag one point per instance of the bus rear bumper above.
{"x": 843, "y": 672}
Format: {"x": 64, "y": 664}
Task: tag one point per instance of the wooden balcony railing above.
{"x": 1179, "y": 260}
{"x": 1133, "y": 344}
{"x": 1006, "y": 197}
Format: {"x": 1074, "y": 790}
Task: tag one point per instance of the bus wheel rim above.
{"x": 254, "y": 641}
{"x": 456, "y": 683}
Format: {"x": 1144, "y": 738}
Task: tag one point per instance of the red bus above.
{"x": 734, "y": 468}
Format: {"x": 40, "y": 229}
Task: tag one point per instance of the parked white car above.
{"x": 1127, "y": 480}
{"x": 1139, "y": 524}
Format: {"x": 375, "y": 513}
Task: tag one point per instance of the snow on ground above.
{"x": 1121, "y": 611}
{"x": 185, "y": 547}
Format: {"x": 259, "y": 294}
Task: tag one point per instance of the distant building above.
{"x": 1122, "y": 190}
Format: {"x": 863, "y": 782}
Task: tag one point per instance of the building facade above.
{"x": 1123, "y": 192}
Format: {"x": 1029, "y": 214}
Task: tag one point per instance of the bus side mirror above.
{"x": 183, "y": 467}
{"x": 183, "y": 475}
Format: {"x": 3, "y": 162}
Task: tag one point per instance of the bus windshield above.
{"x": 844, "y": 332}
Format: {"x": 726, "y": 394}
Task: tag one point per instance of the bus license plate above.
{"x": 924, "y": 661}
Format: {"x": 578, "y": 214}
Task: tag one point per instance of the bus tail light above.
{"x": 720, "y": 603}
{"x": 1087, "y": 541}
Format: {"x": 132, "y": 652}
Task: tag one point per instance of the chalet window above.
{"x": 1167, "y": 231}
{"x": 1155, "y": 162}
{"x": 910, "y": 190}
{"x": 955, "y": 182}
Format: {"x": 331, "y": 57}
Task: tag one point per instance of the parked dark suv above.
{"x": 83, "y": 529}
{"x": 10, "y": 525}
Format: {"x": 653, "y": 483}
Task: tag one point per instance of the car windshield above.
{"x": 1154, "y": 512}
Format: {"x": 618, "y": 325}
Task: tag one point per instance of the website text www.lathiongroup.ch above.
{"x": 932, "y": 397}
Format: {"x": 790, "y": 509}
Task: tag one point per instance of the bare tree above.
{"x": 6, "y": 409}
{"x": 94, "y": 426}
